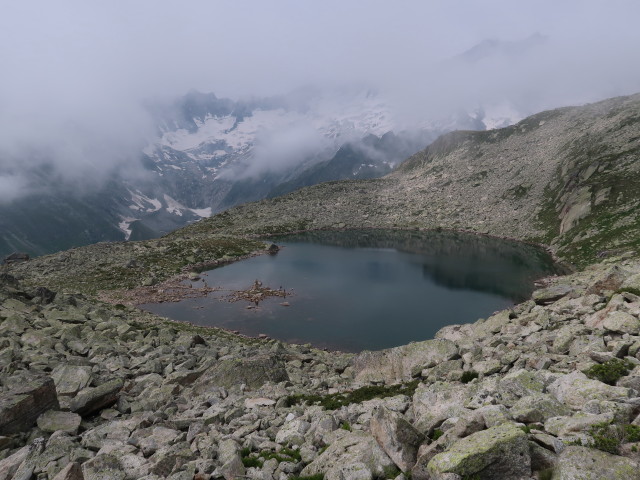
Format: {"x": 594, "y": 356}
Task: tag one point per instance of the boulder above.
{"x": 396, "y": 436}
{"x": 229, "y": 456}
{"x": 517, "y": 384}
{"x": 9, "y": 465}
{"x": 546, "y": 296}
{"x": 434, "y": 403}
{"x": 16, "y": 257}
{"x": 20, "y": 408}
{"x": 72, "y": 471}
{"x": 149, "y": 440}
{"x": 292, "y": 432}
{"x": 103, "y": 467}
{"x": 580, "y": 422}
{"x": 253, "y": 372}
{"x": 53, "y": 421}
{"x": 621, "y": 322}
{"x": 538, "y": 408}
{"x": 400, "y": 364}
{"x": 27, "y": 467}
{"x": 575, "y": 389}
{"x": 586, "y": 463}
{"x": 91, "y": 400}
{"x": 70, "y": 379}
{"x": 498, "y": 452}
{"x": 352, "y": 455}
{"x": 491, "y": 325}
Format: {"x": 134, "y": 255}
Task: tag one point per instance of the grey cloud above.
{"x": 75, "y": 74}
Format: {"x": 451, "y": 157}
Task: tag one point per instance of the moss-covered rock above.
{"x": 498, "y": 452}
{"x": 589, "y": 464}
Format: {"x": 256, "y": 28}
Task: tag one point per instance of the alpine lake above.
{"x": 357, "y": 290}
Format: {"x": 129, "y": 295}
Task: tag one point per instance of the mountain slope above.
{"x": 567, "y": 177}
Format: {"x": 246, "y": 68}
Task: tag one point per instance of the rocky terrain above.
{"x": 567, "y": 178}
{"x": 549, "y": 389}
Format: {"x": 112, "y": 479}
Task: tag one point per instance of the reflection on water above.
{"x": 355, "y": 290}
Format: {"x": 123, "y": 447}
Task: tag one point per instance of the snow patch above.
{"x": 173, "y": 206}
{"x": 202, "y": 212}
{"x": 125, "y": 226}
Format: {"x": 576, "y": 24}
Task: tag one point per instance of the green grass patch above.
{"x": 318, "y": 476}
{"x": 338, "y": 400}
{"x": 346, "y": 426}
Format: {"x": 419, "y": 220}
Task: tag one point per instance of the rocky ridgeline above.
{"x": 548, "y": 389}
{"x": 568, "y": 178}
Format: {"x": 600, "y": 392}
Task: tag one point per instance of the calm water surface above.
{"x": 357, "y": 290}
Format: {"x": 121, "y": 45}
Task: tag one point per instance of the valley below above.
{"x": 93, "y": 388}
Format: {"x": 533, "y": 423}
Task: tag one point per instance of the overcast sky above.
{"x": 74, "y": 72}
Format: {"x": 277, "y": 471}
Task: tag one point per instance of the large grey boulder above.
{"x": 91, "y": 400}
{"x": 229, "y": 457}
{"x": 575, "y": 389}
{"x": 546, "y": 296}
{"x": 353, "y": 455}
{"x": 400, "y": 364}
{"x": 70, "y": 379}
{"x": 498, "y": 452}
{"x": 253, "y": 372}
{"x": 517, "y": 384}
{"x": 538, "y": 408}
{"x": 293, "y": 432}
{"x": 20, "y": 408}
{"x": 582, "y": 463}
{"x": 397, "y": 437}
{"x": 434, "y": 403}
{"x": 54, "y": 421}
{"x": 621, "y": 322}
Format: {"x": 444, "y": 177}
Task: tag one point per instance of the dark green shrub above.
{"x": 606, "y": 437}
{"x": 436, "y": 434}
{"x": 631, "y": 433}
{"x": 610, "y": 371}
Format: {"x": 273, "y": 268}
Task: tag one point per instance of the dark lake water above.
{"x": 367, "y": 290}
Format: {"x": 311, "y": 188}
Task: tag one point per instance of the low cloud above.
{"x": 75, "y": 73}
{"x": 279, "y": 149}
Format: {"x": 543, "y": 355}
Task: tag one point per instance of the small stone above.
{"x": 258, "y": 402}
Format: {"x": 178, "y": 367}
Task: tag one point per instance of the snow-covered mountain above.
{"x": 211, "y": 153}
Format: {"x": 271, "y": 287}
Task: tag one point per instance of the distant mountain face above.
{"x": 213, "y": 153}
